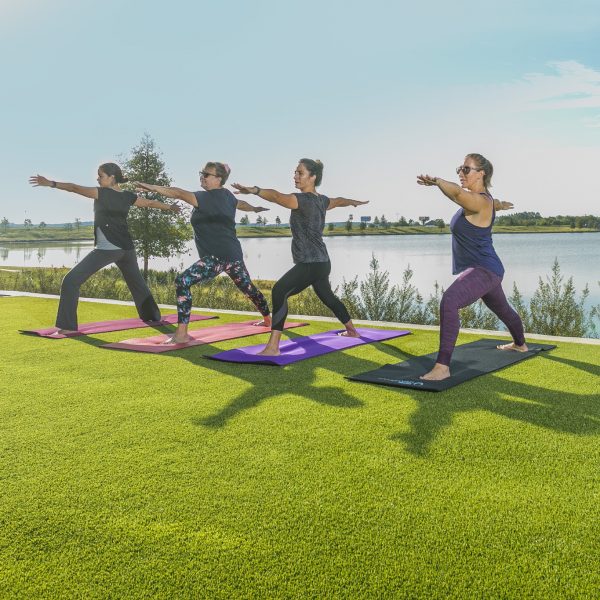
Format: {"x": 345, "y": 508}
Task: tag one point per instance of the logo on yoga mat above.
{"x": 403, "y": 381}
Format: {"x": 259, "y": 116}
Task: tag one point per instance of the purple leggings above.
{"x": 469, "y": 286}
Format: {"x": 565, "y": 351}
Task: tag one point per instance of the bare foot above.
{"x": 174, "y": 339}
{"x": 514, "y": 347}
{"x": 266, "y": 351}
{"x": 349, "y": 333}
{"x": 438, "y": 373}
{"x": 265, "y": 322}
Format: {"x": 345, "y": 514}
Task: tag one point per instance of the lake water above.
{"x": 526, "y": 257}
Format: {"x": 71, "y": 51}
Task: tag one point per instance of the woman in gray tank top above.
{"x": 312, "y": 265}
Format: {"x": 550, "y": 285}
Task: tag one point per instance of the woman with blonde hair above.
{"x": 474, "y": 259}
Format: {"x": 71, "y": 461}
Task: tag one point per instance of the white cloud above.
{"x": 571, "y": 86}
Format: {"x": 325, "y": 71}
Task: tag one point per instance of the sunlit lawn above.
{"x": 127, "y": 475}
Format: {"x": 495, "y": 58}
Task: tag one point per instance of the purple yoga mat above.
{"x": 107, "y": 326}
{"x": 206, "y": 335}
{"x": 307, "y": 347}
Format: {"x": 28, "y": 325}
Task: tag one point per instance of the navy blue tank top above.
{"x": 472, "y": 245}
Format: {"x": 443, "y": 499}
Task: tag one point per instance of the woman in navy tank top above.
{"x": 474, "y": 259}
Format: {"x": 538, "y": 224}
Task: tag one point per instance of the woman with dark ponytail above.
{"x": 474, "y": 259}
{"x": 312, "y": 265}
{"x": 113, "y": 243}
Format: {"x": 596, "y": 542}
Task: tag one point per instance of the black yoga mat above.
{"x": 468, "y": 361}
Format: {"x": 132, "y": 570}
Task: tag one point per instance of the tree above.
{"x": 402, "y": 222}
{"x": 156, "y": 233}
{"x": 245, "y": 220}
{"x": 330, "y": 226}
{"x": 277, "y": 221}
{"x": 265, "y": 220}
{"x": 363, "y": 225}
{"x": 384, "y": 222}
{"x": 423, "y": 220}
{"x": 78, "y": 223}
{"x": 376, "y": 222}
{"x": 27, "y": 223}
{"x": 42, "y": 225}
{"x": 5, "y": 224}
{"x": 440, "y": 223}
{"x": 259, "y": 220}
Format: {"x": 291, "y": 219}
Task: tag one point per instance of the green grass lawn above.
{"x": 127, "y": 475}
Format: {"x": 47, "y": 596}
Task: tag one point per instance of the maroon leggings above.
{"x": 469, "y": 286}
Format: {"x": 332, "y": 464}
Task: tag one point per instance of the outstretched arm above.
{"x": 88, "y": 192}
{"x": 145, "y": 203}
{"x": 472, "y": 201}
{"x": 341, "y": 202}
{"x": 168, "y": 192}
{"x": 285, "y": 200}
{"x": 243, "y": 205}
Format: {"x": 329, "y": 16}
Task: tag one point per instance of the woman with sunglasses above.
{"x": 474, "y": 259}
{"x": 312, "y": 265}
{"x": 219, "y": 250}
{"x": 113, "y": 244}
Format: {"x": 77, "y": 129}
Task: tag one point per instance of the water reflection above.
{"x": 428, "y": 256}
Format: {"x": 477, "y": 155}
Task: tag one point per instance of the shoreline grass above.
{"x": 129, "y": 475}
{"x": 85, "y": 233}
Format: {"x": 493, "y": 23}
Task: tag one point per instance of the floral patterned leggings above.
{"x": 207, "y": 268}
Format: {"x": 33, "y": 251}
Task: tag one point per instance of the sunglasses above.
{"x": 466, "y": 170}
{"x": 205, "y": 174}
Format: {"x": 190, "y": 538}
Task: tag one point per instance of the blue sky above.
{"x": 379, "y": 91}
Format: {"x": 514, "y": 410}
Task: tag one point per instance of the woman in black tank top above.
{"x": 113, "y": 244}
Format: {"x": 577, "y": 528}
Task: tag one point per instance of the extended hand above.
{"x": 242, "y": 189}
{"x": 143, "y": 187}
{"x": 359, "y": 202}
{"x": 260, "y": 209}
{"x": 505, "y": 205}
{"x": 426, "y": 180}
{"x": 39, "y": 181}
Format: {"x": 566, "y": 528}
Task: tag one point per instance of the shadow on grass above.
{"x": 563, "y": 411}
{"x": 559, "y": 410}
{"x": 270, "y": 381}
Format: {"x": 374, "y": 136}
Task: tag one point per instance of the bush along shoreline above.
{"x": 554, "y": 309}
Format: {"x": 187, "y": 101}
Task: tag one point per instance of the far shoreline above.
{"x": 246, "y": 231}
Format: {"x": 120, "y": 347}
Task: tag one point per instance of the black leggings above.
{"x": 299, "y": 278}
{"x": 126, "y": 260}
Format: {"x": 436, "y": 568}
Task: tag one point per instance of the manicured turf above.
{"x": 128, "y": 475}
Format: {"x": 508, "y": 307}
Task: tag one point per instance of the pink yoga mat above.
{"x": 301, "y": 348}
{"x": 206, "y": 335}
{"x": 107, "y": 326}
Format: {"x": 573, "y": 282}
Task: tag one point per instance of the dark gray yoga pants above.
{"x": 126, "y": 260}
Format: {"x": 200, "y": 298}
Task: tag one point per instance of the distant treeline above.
{"x": 534, "y": 218}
